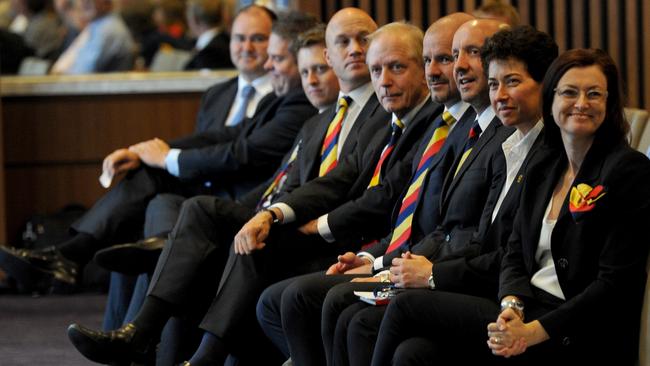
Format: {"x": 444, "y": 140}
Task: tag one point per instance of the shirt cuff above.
{"x": 171, "y": 162}
{"x": 324, "y": 229}
{"x": 288, "y": 215}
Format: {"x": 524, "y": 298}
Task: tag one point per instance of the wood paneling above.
{"x": 54, "y": 146}
{"x": 622, "y": 28}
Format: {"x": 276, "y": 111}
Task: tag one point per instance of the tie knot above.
{"x": 448, "y": 118}
{"x": 247, "y": 91}
{"x": 398, "y": 124}
{"x": 344, "y": 102}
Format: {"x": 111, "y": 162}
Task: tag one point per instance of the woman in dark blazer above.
{"x": 572, "y": 281}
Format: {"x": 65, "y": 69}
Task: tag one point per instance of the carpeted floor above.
{"x": 33, "y": 329}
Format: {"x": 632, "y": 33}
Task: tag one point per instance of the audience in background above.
{"x": 105, "y": 44}
{"x": 205, "y": 19}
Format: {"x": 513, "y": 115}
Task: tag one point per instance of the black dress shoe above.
{"x": 31, "y": 268}
{"x": 132, "y": 258}
{"x": 116, "y": 347}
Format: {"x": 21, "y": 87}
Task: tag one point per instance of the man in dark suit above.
{"x": 202, "y": 163}
{"x": 199, "y": 239}
{"x": 477, "y": 171}
{"x": 303, "y": 334}
{"x": 204, "y": 19}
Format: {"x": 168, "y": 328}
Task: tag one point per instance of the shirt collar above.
{"x": 360, "y": 95}
{"x": 519, "y": 143}
{"x": 205, "y": 38}
{"x": 486, "y": 117}
{"x": 262, "y": 84}
{"x": 411, "y": 114}
{"x": 458, "y": 109}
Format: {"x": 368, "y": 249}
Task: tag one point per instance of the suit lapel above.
{"x": 310, "y": 153}
{"x": 366, "y": 114}
{"x": 485, "y": 138}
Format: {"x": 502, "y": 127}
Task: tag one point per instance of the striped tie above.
{"x": 402, "y": 230}
{"x": 474, "y": 134}
{"x": 278, "y": 181}
{"x": 398, "y": 126}
{"x": 329, "y": 152}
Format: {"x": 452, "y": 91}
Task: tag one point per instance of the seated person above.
{"x": 105, "y": 44}
{"x": 578, "y": 246}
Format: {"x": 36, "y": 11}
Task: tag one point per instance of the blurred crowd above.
{"x": 86, "y": 36}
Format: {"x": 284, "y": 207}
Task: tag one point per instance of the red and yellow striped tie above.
{"x": 280, "y": 178}
{"x": 329, "y": 151}
{"x": 474, "y": 134}
{"x": 402, "y": 229}
{"x": 398, "y": 127}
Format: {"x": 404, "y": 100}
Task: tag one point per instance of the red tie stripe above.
{"x": 398, "y": 127}
{"x": 279, "y": 179}
{"x": 329, "y": 151}
{"x": 402, "y": 230}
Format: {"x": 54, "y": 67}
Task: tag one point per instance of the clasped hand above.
{"x": 508, "y": 336}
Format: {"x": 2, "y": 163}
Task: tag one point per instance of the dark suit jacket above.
{"x": 255, "y": 151}
{"x": 475, "y": 270}
{"x": 310, "y": 139}
{"x": 336, "y": 193}
{"x": 600, "y": 258}
{"x": 216, "y": 55}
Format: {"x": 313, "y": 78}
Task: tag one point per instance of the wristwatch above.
{"x": 274, "y": 216}
{"x": 514, "y": 304}
{"x": 432, "y": 285}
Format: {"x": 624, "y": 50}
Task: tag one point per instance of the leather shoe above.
{"x": 132, "y": 258}
{"x": 116, "y": 347}
{"x": 32, "y": 267}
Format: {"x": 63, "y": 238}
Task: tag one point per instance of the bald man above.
{"x": 351, "y": 326}
{"x": 292, "y": 308}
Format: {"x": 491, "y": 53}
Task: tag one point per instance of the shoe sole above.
{"x": 25, "y": 273}
{"x": 128, "y": 259}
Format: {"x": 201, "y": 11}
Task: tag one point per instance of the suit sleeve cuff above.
{"x": 171, "y": 162}
{"x": 288, "y": 213}
{"x": 324, "y": 229}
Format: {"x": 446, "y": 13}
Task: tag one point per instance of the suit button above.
{"x": 563, "y": 263}
{"x": 207, "y": 184}
{"x": 566, "y": 341}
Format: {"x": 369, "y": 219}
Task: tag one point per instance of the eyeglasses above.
{"x": 571, "y": 94}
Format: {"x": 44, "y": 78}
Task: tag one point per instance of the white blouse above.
{"x": 546, "y": 277}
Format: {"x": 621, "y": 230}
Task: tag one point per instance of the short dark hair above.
{"x": 292, "y": 23}
{"x": 311, "y": 37}
{"x": 497, "y": 8}
{"x": 615, "y": 128}
{"x": 535, "y": 49}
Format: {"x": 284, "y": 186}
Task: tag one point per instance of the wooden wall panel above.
{"x": 54, "y": 146}
{"x": 622, "y": 28}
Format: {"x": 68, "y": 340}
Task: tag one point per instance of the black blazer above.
{"x": 216, "y": 55}
{"x": 310, "y": 139}
{"x": 350, "y": 179}
{"x": 600, "y": 257}
{"x": 254, "y": 152}
{"x": 475, "y": 269}
{"x": 426, "y": 217}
